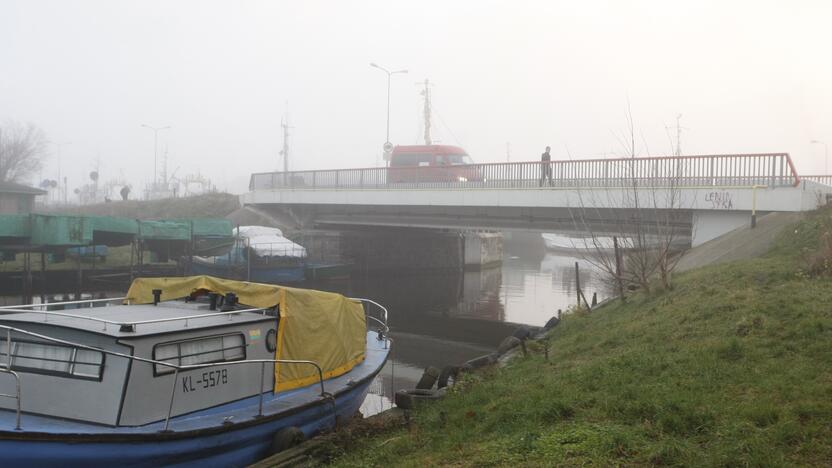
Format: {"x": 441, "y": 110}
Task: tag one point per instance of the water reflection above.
{"x": 448, "y": 317}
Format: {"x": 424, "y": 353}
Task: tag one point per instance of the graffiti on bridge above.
{"x": 720, "y": 200}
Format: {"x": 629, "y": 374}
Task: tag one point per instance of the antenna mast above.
{"x": 678, "y": 135}
{"x": 426, "y": 94}
{"x": 164, "y": 174}
{"x": 679, "y": 129}
{"x": 284, "y": 123}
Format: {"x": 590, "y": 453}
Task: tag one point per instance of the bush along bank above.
{"x": 731, "y": 367}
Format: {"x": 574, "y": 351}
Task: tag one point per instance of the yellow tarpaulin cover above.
{"x": 318, "y": 326}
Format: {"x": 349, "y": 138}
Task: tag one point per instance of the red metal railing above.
{"x": 775, "y": 170}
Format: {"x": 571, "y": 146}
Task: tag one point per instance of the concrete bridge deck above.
{"x": 705, "y": 196}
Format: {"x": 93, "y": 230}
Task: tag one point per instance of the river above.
{"x": 448, "y": 317}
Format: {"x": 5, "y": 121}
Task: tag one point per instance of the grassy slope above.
{"x": 732, "y": 367}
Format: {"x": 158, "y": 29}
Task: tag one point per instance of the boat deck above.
{"x": 234, "y": 413}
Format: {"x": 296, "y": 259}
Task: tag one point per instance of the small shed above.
{"x": 17, "y": 198}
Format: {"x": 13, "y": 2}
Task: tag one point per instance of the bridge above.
{"x": 704, "y": 196}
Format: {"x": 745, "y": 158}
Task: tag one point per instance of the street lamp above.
{"x": 825, "y": 155}
{"x": 387, "y": 144}
{"x": 61, "y": 192}
{"x": 155, "y": 148}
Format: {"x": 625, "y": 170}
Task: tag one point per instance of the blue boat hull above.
{"x": 232, "y": 445}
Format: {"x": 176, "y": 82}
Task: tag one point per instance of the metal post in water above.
{"x": 393, "y": 375}
{"x": 248, "y": 259}
{"x": 27, "y": 278}
{"x": 80, "y": 278}
{"x": 132, "y": 249}
{"x": 619, "y": 282}
{"x": 43, "y": 277}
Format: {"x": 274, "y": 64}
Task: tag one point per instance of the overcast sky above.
{"x": 747, "y": 76}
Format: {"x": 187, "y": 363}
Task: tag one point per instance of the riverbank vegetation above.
{"x": 732, "y": 367}
{"x": 209, "y": 205}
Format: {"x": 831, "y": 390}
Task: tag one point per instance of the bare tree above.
{"x": 646, "y": 242}
{"x": 22, "y": 148}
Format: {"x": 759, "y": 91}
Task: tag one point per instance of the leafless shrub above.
{"x": 645, "y": 242}
{"x": 22, "y": 148}
{"x": 819, "y": 262}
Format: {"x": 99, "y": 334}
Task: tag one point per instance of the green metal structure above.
{"x": 38, "y": 232}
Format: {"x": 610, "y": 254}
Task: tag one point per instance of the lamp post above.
{"x": 155, "y": 148}
{"x": 61, "y": 192}
{"x": 825, "y": 155}
{"x": 387, "y": 144}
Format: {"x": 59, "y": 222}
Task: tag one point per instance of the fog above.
{"x": 747, "y": 76}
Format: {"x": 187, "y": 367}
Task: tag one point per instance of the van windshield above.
{"x": 427, "y": 159}
{"x": 456, "y": 159}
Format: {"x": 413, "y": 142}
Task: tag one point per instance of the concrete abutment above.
{"x": 709, "y": 224}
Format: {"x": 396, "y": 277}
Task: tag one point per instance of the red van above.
{"x": 431, "y": 163}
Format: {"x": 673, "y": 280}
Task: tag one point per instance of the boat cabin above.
{"x": 78, "y": 383}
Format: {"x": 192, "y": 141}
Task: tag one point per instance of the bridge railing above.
{"x": 775, "y": 169}
{"x": 821, "y": 179}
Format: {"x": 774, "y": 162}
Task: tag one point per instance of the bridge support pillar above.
{"x": 482, "y": 249}
{"x": 709, "y": 224}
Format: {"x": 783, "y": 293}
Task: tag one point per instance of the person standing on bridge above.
{"x": 546, "y": 166}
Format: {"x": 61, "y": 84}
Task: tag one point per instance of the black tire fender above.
{"x": 522, "y": 333}
{"x": 410, "y": 399}
{"x": 551, "y": 323}
{"x": 508, "y": 343}
{"x": 482, "y": 361}
{"x": 428, "y": 378}
{"x": 287, "y": 438}
{"x": 447, "y": 373}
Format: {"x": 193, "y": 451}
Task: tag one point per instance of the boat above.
{"x": 261, "y": 254}
{"x": 560, "y": 242}
{"x": 185, "y": 371}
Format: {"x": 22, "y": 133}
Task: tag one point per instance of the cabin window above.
{"x": 199, "y": 351}
{"x": 42, "y": 358}
{"x": 271, "y": 341}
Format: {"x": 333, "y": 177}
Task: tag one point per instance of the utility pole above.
{"x": 678, "y": 135}
{"x": 61, "y": 191}
{"x": 426, "y": 111}
{"x": 165, "y": 170}
{"x": 284, "y": 124}
{"x": 679, "y": 129}
{"x": 388, "y": 146}
{"x": 155, "y": 152}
